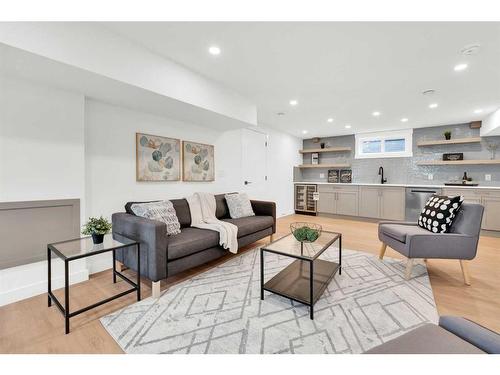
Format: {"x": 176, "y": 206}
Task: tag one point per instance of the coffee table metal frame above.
{"x": 297, "y": 270}
{"x": 65, "y": 311}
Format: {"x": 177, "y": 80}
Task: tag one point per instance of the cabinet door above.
{"x": 347, "y": 202}
{"x": 470, "y": 195}
{"x": 491, "y": 216}
{"x": 369, "y": 198}
{"x": 326, "y": 202}
{"x": 392, "y": 203}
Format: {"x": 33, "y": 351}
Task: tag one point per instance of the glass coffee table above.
{"x": 294, "y": 281}
{"x": 79, "y": 248}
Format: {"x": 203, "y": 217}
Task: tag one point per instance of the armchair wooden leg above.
{"x": 409, "y": 266}
{"x": 382, "y": 251}
{"x": 465, "y": 271}
{"x": 155, "y": 289}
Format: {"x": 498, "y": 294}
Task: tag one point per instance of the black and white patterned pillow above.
{"x": 163, "y": 211}
{"x": 439, "y": 212}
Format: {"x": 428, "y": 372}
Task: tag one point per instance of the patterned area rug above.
{"x": 220, "y": 311}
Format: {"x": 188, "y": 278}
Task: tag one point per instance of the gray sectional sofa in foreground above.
{"x": 163, "y": 256}
{"x": 453, "y": 335}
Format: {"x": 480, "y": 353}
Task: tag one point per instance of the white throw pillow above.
{"x": 239, "y": 205}
{"x": 163, "y": 211}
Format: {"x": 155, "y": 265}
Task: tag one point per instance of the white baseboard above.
{"x": 18, "y": 283}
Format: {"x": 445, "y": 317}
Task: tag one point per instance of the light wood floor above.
{"x": 29, "y": 326}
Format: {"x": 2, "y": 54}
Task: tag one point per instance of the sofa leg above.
{"x": 155, "y": 289}
{"x": 465, "y": 271}
{"x": 382, "y": 251}
{"x": 118, "y": 266}
{"x": 409, "y": 266}
{"x": 271, "y": 238}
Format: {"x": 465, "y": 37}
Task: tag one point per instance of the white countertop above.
{"x": 396, "y": 185}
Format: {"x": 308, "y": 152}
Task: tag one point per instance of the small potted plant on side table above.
{"x": 97, "y": 228}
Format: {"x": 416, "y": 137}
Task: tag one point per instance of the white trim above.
{"x": 406, "y": 134}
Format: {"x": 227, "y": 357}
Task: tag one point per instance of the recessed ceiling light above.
{"x": 304, "y": 132}
{"x": 214, "y": 50}
{"x": 348, "y": 126}
{"x": 330, "y": 120}
{"x": 479, "y": 110}
{"x": 376, "y": 114}
{"x": 460, "y": 67}
{"x": 433, "y": 105}
{"x": 294, "y": 102}
{"x": 404, "y": 119}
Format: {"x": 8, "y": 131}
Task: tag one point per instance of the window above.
{"x": 390, "y": 144}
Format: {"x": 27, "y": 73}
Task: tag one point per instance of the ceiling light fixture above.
{"x": 433, "y": 105}
{"x": 428, "y": 92}
{"x": 330, "y": 120}
{"x": 479, "y": 110}
{"x": 460, "y": 67}
{"x": 348, "y": 126}
{"x": 376, "y": 114}
{"x": 471, "y": 49}
{"x": 404, "y": 119}
{"x": 294, "y": 102}
{"x": 214, "y": 50}
{"x": 304, "y": 132}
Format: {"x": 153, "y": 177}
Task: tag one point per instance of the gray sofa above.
{"x": 453, "y": 335}
{"x": 163, "y": 256}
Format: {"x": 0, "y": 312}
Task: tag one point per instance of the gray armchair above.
{"x": 415, "y": 242}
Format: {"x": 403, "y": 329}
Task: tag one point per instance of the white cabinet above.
{"x": 339, "y": 200}
{"x": 382, "y": 202}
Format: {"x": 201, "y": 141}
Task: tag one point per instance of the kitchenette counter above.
{"x": 441, "y": 186}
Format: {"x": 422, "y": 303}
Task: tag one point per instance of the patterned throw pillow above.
{"x": 163, "y": 211}
{"x": 239, "y": 205}
{"x": 439, "y": 212}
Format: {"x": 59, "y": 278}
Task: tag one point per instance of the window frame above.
{"x": 406, "y": 134}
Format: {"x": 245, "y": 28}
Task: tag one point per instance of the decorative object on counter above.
{"x": 460, "y": 183}
{"x": 305, "y": 232}
{"x": 465, "y": 178}
{"x": 198, "y": 162}
{"x": 492, "y": 147}
{"x": 447, "y": 135}
{"x": 333, "y": 175}
{"x": 97, "y": 228}
{"x": 453, "y": 156}
{"x": 322, "y": 144}
{"x": 315, "y": 158}
{"x": 346, "y": 176}
{"x": 157, "y": 158}
{"x": 439, "y": 212}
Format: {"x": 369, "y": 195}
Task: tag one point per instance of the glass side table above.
{"x": 84, "y": 247}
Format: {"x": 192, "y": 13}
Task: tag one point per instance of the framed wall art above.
{"x": 198, "y": 162}
{"x": 157, "y": 158}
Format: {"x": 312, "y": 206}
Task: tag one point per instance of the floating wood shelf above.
{"x": 459, "y": 162}
{"x": 328, "y": 149}
{"x": 324, "y": 166}
{"x": 449, "y": 141}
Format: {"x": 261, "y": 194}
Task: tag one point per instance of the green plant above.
{"x": 306, "y": 234}
{"x": 96, "y": 226}
{"x": 447, "y": 134}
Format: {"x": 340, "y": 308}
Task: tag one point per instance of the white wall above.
{"x": 41, "y": 157}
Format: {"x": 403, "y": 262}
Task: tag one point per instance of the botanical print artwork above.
{"x": 157, "y": 158}
{"x": 198, "y": 161}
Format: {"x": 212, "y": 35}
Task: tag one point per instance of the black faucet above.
{"x": 381, "y": 174}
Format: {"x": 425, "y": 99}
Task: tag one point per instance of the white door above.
{"x": 254, "y": 163}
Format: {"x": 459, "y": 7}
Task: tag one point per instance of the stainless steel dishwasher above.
{"x": 416, "y": 197}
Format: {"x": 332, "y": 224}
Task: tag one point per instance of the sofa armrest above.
{"x": 475, "y": 334}
{"x": 265, "y": 208}
{"x": 153, "y": 238}
{"x": 442, "y": 246}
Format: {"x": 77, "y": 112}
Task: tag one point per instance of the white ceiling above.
{"x": 340, "y": 70}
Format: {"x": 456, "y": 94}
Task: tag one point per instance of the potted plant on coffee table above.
{"x": 97, "y": 228}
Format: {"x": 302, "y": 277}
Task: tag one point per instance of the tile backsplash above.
{"x": 406, "y": 170}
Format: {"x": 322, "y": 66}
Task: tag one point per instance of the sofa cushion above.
{"x": 251, "y": 224}
{"x": 427, "y": 339}
{"x": 190, "y": 241}
{"x": 400, "y": 231}
{"x": 239, "y": 205}
{"x": 163, "y": 211}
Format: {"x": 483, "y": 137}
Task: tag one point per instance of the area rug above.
{"x": 220, "y": 311}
